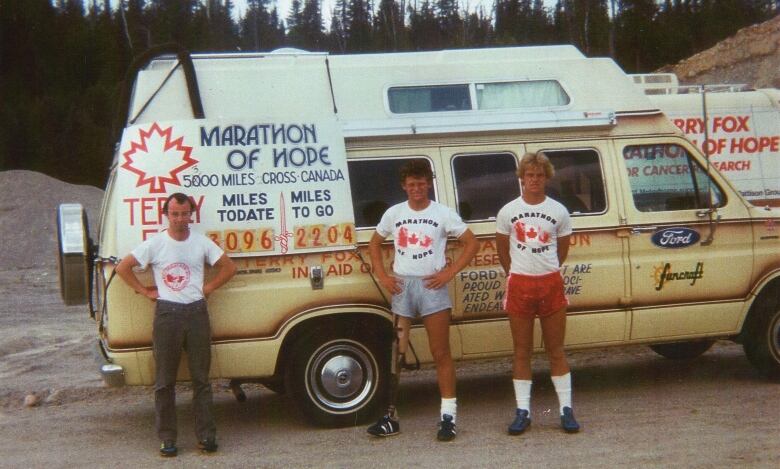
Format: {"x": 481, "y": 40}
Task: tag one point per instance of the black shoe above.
{"x": 385, "y": 426}
{"x": 168, "y": 449}
{"x": 568, "y": 423}
{"x": 521, "y": 423}
{"x": 209, "y": 445}
{"x": 446, "y": 429}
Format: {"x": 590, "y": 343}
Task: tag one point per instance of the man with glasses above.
{"x": 181, "y": 320}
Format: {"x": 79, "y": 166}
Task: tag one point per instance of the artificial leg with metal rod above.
{"x": 397, "y": 356}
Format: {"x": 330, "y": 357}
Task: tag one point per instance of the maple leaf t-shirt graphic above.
{"x": 157, "y": 158}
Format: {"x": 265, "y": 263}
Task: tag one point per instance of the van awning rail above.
{"x": 474, "y": 122}
{"x": 184, "y": 59}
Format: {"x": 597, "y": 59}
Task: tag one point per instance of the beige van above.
{"x": 293, "y": 157}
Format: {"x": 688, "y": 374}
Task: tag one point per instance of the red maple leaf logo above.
{"x": 157, "y": 158}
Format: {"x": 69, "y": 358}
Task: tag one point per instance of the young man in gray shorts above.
{"x": 420, "y": 228}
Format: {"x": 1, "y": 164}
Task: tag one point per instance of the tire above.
{"x": 73, "y": 261}
{"x": 338, "y": 378}
{"x": 761, "y": 335}
{"x": 683, "y": 350}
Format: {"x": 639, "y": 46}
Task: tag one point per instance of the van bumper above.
{"x": 113, "y": 375}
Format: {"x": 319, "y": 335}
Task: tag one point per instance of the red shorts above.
{"x": 534, "y": 295}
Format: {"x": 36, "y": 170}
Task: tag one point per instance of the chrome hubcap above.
{"x": 341, "y": 375}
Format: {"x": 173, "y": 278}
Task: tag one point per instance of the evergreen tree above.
{"x": 61, "y": 61}
{"x": 389, "y": 28}
{"x": 479, "y": 29}
{"x": 311, "y": 26}
{"x": 636, "y": 47}
{"x": 522, "y": 22}
{"x": 213, "y": 27}
{"x": 451, "y": 27}
{"x": 424, "y": 29}
{"x": 172, "y": 21}
{"x": 294, "y": 24}
{"x": 337, "y": 38}
{"x": 261, "y": 28}
{"x": 674, "y": 31}
{"x": 585, "y": 24}
{"x": 358, "y": 26}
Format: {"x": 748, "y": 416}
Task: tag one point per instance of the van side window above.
{"x": 484, "y": 183}
{"x": 437, "y": 98}
{"x": 578, "y": 182}
{"x": 521, "y": 94}
{"x": 376, "y": 186}
{"x": 664, "y": 177}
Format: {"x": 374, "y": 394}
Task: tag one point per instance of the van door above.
{"x": 689, "y": 276}
{"x": 482, "y": 180}
{"x": 595, "y": 273}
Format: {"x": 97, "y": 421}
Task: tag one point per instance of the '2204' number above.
{"x": 314, "y": 236}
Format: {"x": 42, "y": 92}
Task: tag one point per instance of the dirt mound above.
{"x": 28, "y": 204}
{"x": 751, "y": 56}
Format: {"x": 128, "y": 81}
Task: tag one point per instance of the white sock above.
{"x": 563, "y": 388}
{"x": 523, "y": 393}
{"x": 449, "y": 406}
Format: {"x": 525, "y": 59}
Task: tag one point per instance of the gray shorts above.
{"x": 415, "y": 299}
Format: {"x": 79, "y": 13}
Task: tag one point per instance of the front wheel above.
{"x": 762, "y": 335}
{"x": 338, "y": 378}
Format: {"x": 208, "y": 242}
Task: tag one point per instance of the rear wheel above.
{"x": 682, "y": 350}
{"x": 338, "y": 378}
{"x": 761, "y": 335}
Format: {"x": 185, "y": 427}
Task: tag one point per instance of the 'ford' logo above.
{"x": 677, "y": 237}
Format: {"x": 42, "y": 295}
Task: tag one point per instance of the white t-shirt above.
{"x": 420, "y": 237}
{"x": 178, "y": 265}
{"x": 533, "y": 234}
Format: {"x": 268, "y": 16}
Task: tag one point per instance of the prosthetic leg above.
{"x": 397, "y": 358}
{"x": 388, "y": 424}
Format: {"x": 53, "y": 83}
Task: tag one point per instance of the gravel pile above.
{"x": 28, "y": 226}
{"x": 751, "y": 56}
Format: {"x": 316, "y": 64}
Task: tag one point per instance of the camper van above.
{"x": 742, "y": 133}
{"x": 292, "y": 157}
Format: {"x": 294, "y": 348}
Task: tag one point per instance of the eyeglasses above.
{"x": 184, "y": 213}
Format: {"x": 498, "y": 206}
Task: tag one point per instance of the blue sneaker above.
{"x": 568, "y": 423}
{"x": 521, "y": 423}
{"x": 446, "y": 428}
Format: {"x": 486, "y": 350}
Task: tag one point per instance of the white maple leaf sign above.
{"x": 156, "y": 158}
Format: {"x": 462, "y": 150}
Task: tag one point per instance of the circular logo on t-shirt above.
{"x": 176, "y": 276}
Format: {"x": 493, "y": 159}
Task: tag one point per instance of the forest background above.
{"x": 62, "y": 61}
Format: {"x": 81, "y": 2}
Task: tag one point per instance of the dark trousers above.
{"x": 180, "y": 327}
